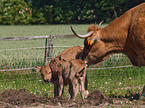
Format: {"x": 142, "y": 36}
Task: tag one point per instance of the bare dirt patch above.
{"x": 22, "y": 98}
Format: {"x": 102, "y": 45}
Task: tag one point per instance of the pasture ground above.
{"x": 122, "y": 85}
{"x": 22, "y": 98}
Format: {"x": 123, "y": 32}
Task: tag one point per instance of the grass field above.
{"x": 124, "y": 82}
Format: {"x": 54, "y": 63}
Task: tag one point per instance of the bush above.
{"x": 15, "y": 12}
{"x": 62, "y": 11}
{"x": 38, "y": 17}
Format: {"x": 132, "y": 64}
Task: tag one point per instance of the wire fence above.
{"x": 25, "y": 57}
{"x": 18, "y": 57}
{"x": 22, "y": 53}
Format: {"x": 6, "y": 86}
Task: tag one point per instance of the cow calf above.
{"x": 62, "y": 73}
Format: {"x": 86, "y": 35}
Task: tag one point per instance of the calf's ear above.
{"x": 37, "y": 68}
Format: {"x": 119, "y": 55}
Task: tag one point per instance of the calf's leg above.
{"x": 82, "y": 88}
{"x": 61, "y": 86}
{"x": 56, "y": 90}
{"x": 86, "y": 87}
{"x": 73, "y": 88}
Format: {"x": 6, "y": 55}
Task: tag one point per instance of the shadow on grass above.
{"x": 129, "y": 96}
{"x": 132, "y": 97}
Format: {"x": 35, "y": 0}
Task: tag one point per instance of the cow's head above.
{"x": 94, "y": 47}
{"x": 45, "y": 72}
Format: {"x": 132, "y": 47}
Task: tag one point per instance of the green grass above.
{"x": 113, "y": 82}
{"x": 117, "y": 82}
{"x": 40, "y": 30}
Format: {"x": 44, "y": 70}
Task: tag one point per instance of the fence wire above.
{"x": 19, "y": 57}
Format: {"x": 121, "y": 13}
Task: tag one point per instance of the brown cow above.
{"x": 125, "y": 34}
{"x": 62, "y": 73}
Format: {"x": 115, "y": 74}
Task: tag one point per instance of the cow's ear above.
{"x": 37, "y": 68}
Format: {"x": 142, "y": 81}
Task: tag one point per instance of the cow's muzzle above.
{"x": 46, "y": 81}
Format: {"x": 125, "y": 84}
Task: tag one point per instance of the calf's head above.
{"x": 45, "y": 72}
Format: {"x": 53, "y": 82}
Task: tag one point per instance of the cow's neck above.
{"x": 115, "y": 34}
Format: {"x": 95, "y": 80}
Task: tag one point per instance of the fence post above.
{"x": 48, "y": 49}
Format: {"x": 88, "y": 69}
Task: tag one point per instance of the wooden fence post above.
{"x": 48, "y": 49}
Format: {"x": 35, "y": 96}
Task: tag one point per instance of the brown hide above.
{"x": 66, "y": 55}
{"x": 125, "y": 34}
{"x": 70, "y": 53}
{"x": 68, "y": 69}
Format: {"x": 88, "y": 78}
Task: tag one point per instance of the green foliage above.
{"x": 78, "y": 11}
{"x": 62, "y": 11}
{"x": 15, "y": 12}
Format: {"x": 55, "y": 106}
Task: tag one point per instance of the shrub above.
{"x": 15, "y": 12}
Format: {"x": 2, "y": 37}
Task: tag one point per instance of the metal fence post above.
{"x": 48, "y": 49}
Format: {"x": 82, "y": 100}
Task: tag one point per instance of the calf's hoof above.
{"x": 86, "y": 93}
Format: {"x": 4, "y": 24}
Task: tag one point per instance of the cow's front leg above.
{"x": 61, "y": 86}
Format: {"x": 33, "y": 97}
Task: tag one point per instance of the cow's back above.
{"x": 136, "y": 36}
{"x": 137, "y": 26}
{"x": 70, "y": 53}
